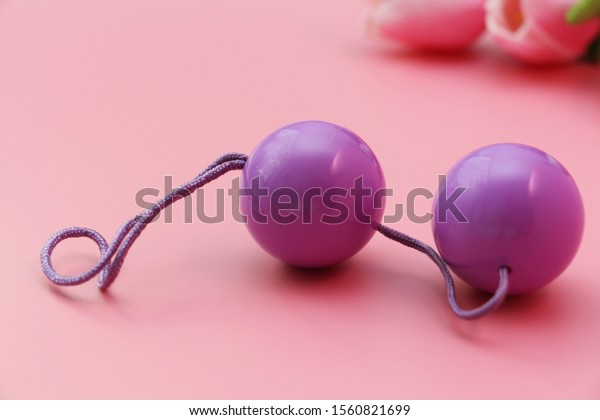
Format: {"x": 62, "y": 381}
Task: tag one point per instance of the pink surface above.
{"x": 100, "y": 99}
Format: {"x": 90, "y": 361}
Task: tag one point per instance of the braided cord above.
{"x": 492, "y": 303}
{"x": 109, "y": 267}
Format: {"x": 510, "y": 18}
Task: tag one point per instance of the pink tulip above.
{"x": 536, "y": 31}
{"x": 428, "y": 24}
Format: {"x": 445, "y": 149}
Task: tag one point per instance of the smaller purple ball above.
{"x": 309, "y": 194}
{"x": 522, "y": 210}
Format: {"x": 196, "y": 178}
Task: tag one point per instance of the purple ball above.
{"x": 309, "y": 194}
{"x": 522, "y": 210}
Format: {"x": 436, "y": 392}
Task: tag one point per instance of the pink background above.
{"x": 101, "y": 98}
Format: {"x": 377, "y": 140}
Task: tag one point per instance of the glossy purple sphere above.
{"x": 301, "y": 198}
{"x": 523, "y": 211}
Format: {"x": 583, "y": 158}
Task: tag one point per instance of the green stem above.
{"x": 583, "y": 11}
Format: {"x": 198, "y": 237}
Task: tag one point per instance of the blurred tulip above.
{"x": 537, "y": 32}
{"x": 443, "y": 25}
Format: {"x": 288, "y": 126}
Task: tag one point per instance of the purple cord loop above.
{"x": 109, "y": 267}
{"x": 492, "y": 302}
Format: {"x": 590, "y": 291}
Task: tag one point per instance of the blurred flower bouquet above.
{"x": 534, "y": 31}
